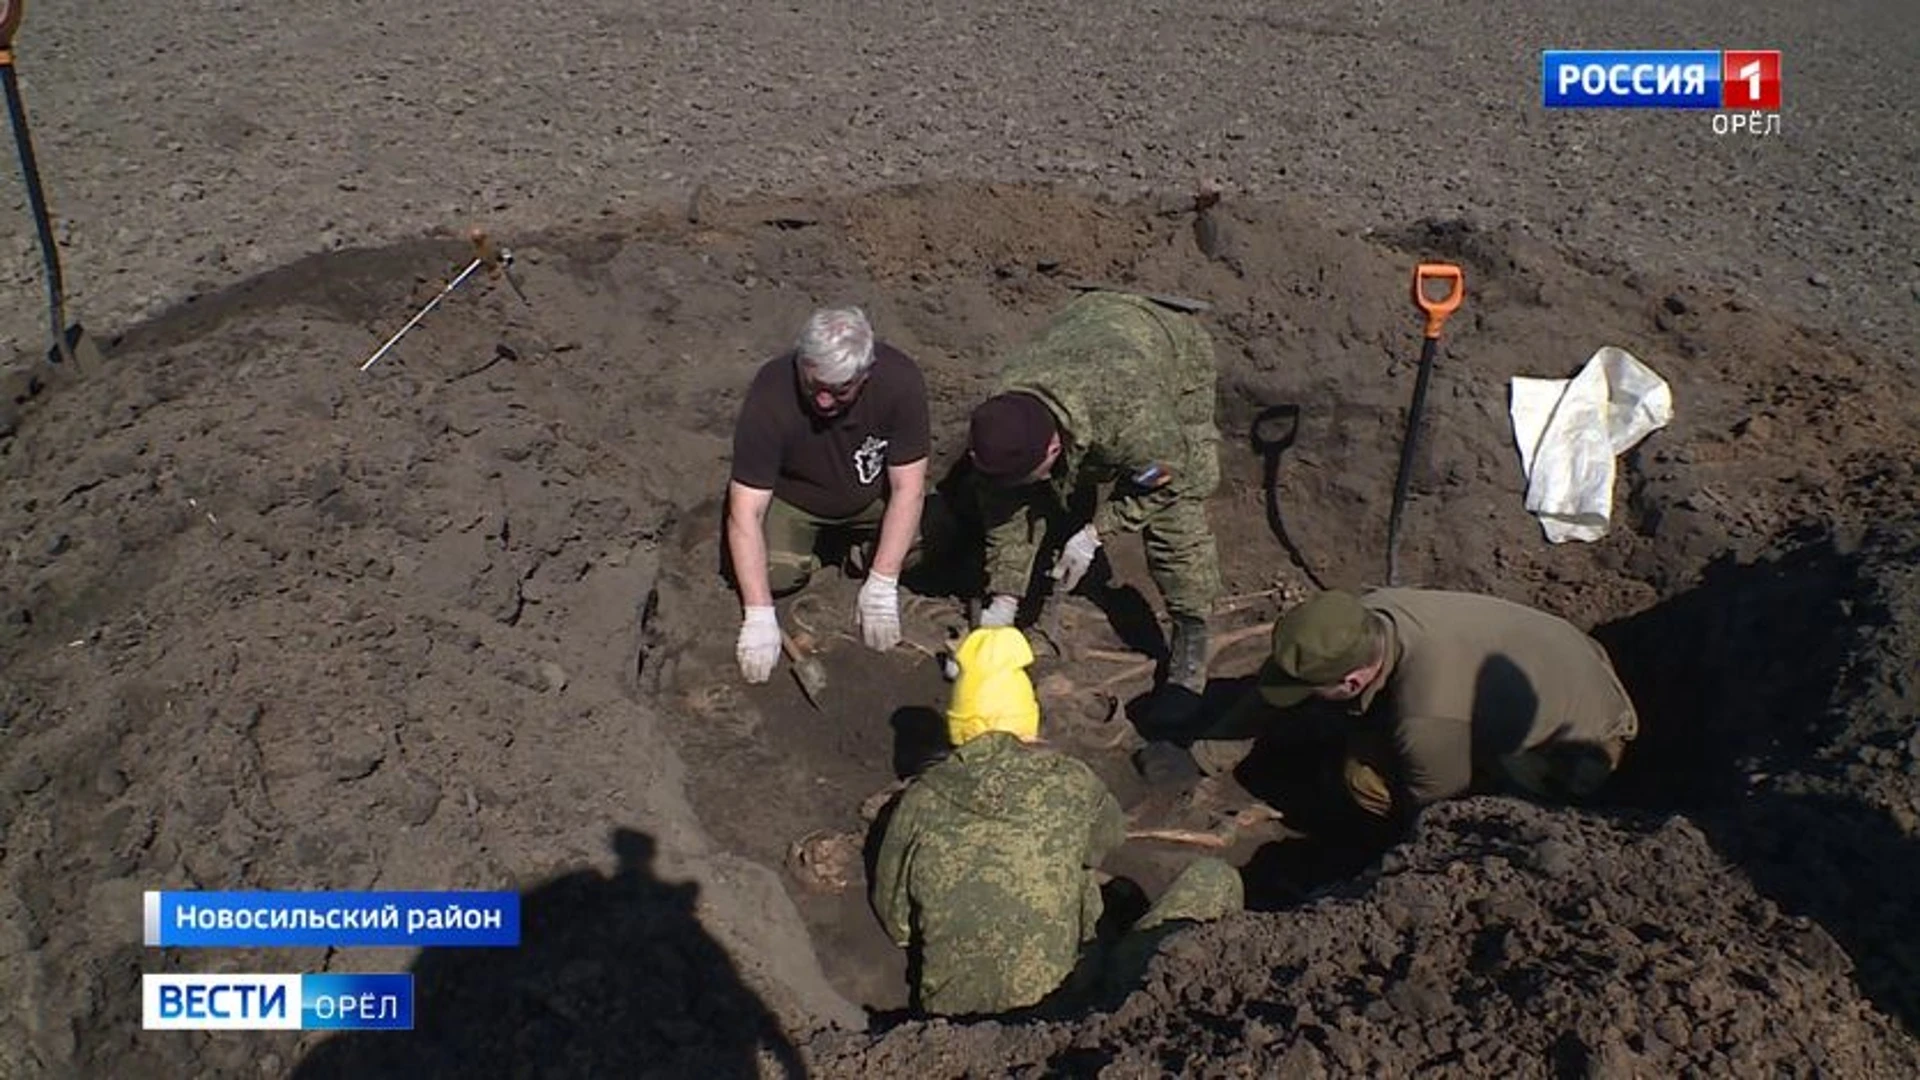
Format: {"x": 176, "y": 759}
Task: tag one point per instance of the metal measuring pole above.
{"x": 497, "y": 260}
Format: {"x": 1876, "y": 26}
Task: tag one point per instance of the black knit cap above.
{"x": 1008, "y": 436}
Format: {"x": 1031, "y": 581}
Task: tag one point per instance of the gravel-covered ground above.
{"x": 192, "y": 146}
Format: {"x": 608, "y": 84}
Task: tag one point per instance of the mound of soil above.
{"x": 270, "y": 622}
{"x": 1501, "y": 939}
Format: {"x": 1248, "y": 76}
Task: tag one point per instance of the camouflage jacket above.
{"x": 1131, "y": 385}
{"x": 987, "y": 869}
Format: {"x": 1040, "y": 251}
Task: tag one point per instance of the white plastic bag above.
{"x": 1570, "y": 431}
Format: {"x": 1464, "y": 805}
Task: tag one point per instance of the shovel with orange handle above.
{"x": 1438, "y": 289}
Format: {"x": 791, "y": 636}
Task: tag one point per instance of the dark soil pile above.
{"x": 1501, "y": 939}
{"x": 268, "y": 622}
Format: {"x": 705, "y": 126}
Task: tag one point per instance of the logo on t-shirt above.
{"x": 868, "y": 459}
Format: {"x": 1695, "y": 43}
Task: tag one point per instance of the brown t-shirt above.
{"x": 832, "y": 467}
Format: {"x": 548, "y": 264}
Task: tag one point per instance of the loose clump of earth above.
{"x": 271, "y": 622}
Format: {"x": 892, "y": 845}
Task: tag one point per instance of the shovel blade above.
{"x": 812, "y": 677}
{"x": 82, "y": 347}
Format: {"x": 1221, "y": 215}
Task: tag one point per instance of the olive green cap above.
{"x": 1321, "y": 641}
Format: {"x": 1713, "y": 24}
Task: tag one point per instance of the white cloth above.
{"x": 1570, "y": 431}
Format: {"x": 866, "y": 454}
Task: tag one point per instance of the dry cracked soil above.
{"x": 269, "y": 621}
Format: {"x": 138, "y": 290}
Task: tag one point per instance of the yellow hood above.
{"x": 993, "y": 692}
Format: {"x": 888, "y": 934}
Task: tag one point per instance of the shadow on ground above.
{"x": 1736, "y": 674}
{"x": 615, "y": 976}
{"x": 1760, "y": 722}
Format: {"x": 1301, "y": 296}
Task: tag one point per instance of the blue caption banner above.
{"x": 1630, "y": 79}
{"x": 332, "y": 919}
{"x": 333, "y": 1002}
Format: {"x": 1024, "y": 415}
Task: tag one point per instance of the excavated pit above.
{"x": 456, "y": 622}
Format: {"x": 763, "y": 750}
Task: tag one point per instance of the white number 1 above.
{"x": 1750, "y": 71}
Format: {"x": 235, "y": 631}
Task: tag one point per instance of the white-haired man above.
{"x": 831, "y": 445}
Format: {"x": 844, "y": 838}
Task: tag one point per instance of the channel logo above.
{"x": 1750, "y": 79}
{"x": 1671, "y": 79}
{"x": 321, "y": 1002}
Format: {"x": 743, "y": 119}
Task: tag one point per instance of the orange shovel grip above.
{"x": 1438, "y": 310}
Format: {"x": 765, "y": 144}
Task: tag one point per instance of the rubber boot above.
{"x": 1187, "y": 666}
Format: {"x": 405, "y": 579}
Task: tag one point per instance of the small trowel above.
{"x": 808, "y": 671}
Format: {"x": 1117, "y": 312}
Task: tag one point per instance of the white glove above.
{"x": 1076, "y": 558}
{"x": 1001, "y": 611}
{"x": 877, "y": 613}
{"x": 759, "y": 646}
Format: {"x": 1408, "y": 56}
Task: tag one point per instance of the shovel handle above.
{"x": 800, "y": 657}
{"x": 1438, "y": 309}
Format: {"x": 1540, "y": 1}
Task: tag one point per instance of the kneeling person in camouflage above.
{"x": 987, "y": 864}
{"x": 1116, "y": 391}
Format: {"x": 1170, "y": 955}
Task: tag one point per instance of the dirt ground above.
{"x": 454, "y": 622}
{"x": 187, "y": 154}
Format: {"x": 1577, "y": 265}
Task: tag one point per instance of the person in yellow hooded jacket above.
{"x": 986, "y": 871}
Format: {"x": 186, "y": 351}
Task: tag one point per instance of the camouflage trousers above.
{"x": 1181, "y": 554}
{"x": 1208, "y": 889}
{"x": 796, "y": 541}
